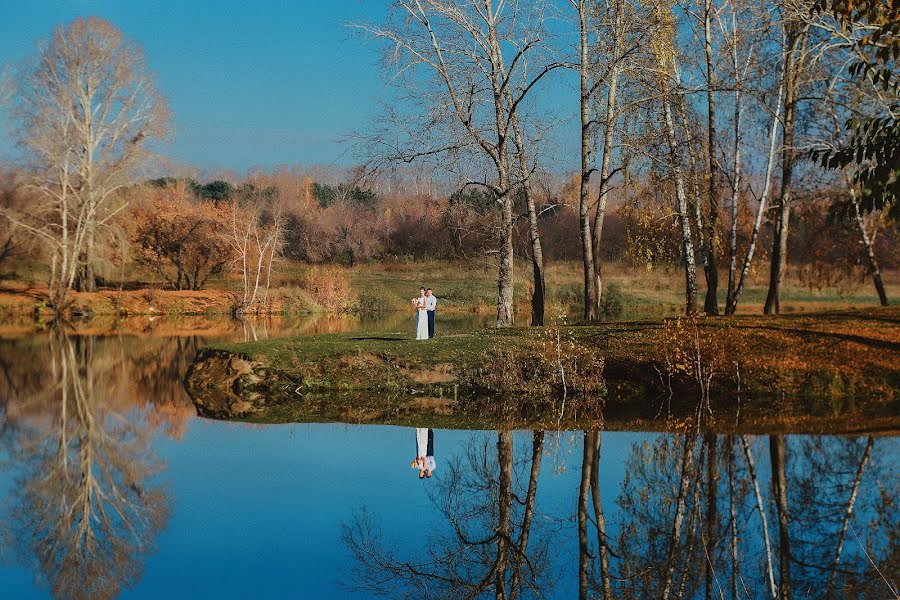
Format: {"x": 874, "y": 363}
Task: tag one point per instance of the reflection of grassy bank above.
{"x": 836, "y": 366}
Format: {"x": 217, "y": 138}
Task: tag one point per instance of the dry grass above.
{"x": 462, "y": 287}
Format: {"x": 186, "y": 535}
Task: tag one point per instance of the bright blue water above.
{"x": 250, "y": 511}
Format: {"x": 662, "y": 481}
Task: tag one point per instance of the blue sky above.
{"x": 258, "y": 83}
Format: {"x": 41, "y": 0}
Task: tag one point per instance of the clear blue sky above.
{"x": 250, "y": 83}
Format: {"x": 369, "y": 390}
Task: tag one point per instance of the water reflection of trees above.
{"x": 143, "y": 373}
{"x": 691, "y": 524}
{"x": 84, "y": 509}
{"x": 696, "y": 516}
{"x": 487, "y": 546}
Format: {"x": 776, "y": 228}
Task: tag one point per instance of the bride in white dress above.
{"x": 421, "y": 316}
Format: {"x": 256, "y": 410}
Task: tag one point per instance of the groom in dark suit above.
{"x": 430, "y": 304}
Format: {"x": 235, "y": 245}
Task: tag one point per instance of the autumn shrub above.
{"x": 181, "y": 239}
{"x": 328, "y": 286}
{"x": 553, "y": 366}
{"x": 575, "y": 367}
{"x": 292, "y": 300}
{"x": 697, "y": 358}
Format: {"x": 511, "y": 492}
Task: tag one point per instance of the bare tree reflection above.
{"x": 694, "y": 520}
{"x": 84, "y": 509}
{"x": 487, "y": 548}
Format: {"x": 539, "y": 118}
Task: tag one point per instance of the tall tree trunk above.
{"x": 874, "y": 268}
{"x": 507, "y": 223}
{"x": 711, "y": 303}
{"x": 681, "y": 208}
{"x": 779, "y": 491}
{"x": 584, "y": 222}
{"x": 584, "y": 558}
{"x": 90, "y": 278}
{"x": 731, "y": 306}
{"x": 505, "y": 271}
{"x": 695, "y": 204}
{"x": 600, "y": 519}
{"x": 848, "y": 514}
{"x": 85, "y": 280}
{"x": 736, "y": 179}
{"x": 778, "y": 266}
{"x": 537, "y": 253}
{"x": 609, "y": 124}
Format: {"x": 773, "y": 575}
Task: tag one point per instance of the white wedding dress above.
{"x": 421, "y": 321}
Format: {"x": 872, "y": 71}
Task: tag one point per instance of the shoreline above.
{"x": 797, "y": 372}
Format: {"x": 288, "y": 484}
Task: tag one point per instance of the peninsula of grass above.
{"x": 793, "y": 371}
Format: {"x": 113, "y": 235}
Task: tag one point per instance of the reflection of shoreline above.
{"x": 147, "y": 360}
{"x": 229, "y": 329}
{"x": 199, "y": 325}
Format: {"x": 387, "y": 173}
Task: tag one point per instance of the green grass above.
{"x": 838, "y": 366}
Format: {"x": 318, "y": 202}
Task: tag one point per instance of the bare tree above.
{"x": 255, "y": 242}
{"x": 738, "y": 277}
{"x": 584, "y": 222}
{"x": 84, "y": 108}
{"x": 474, "y": 54}
{"x": 665, "y": 52}
{"x": 796, "y": 32}
{"x": 606, "y": 41}
{"x": 711, "y": 303}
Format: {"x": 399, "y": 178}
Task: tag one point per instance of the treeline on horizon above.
{"x": 181, "y": 230}
{"x": 718, "y": 137}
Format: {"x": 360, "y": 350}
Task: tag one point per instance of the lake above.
{"x": 112, "y": 487}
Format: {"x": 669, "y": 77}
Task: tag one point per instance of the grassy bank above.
{"x": 797, "y": 372}
{"x": 463, "y": 288}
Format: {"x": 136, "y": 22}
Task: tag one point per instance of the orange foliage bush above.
{"x": 329, "y": 286}
{"x": 180, "y": 238}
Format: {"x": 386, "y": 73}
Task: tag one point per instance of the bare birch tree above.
{"x": 606, "y": 40}
{"x": 84, "y": 109}
{"x": 587, "y": 151}
{"x": 255, "y": 242}
{"x": 743, "y": 41}
{"x": 665, "y": 53}
{"x": 472, "y": 54}
{"x": 796, "y": 33}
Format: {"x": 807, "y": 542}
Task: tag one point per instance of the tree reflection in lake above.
{"x": 487, "y": 547}
{"x": 696, "y": 516}
{"x": 691, "y": 525}
{"x": 84, "y": 510}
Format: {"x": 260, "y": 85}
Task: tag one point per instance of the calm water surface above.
{"x": 110, "y": 486}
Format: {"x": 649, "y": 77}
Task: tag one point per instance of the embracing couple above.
{"x": 424, "y": 306}
{"x": 424, "y": 461}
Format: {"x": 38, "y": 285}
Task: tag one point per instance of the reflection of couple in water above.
{"x": 424, "y": 460}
